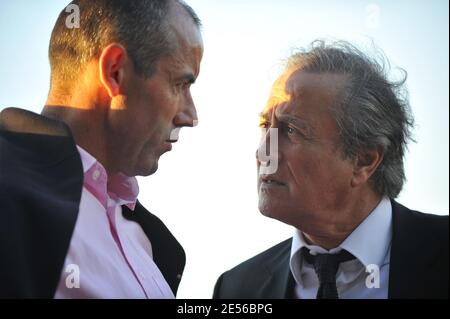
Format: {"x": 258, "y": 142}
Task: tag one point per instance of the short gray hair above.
{"x": 371, "y": 111}
{"x": 141, "y": 26}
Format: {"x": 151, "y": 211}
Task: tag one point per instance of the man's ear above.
{"x": 365, "y": 165}
{"x": 112, "y": 68}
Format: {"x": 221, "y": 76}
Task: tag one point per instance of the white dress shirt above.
{"x": 370, "y": 243}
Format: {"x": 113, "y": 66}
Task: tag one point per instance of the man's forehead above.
{"x": 298, "y": 84}
{"x": 296, "y": 81}
{"x": 184, "y": 27}
{"x": 188, "y": 42}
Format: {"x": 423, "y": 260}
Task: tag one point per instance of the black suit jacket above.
{"x": 418, "y": 263}
{"x": 41, "y": 179}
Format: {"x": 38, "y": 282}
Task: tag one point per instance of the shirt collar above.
{"x": 369, "y": 242}
{"x": 118, "y": 189}
{"x": 87, "y": 160}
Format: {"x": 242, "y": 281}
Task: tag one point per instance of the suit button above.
{"x": 179, "y": 276}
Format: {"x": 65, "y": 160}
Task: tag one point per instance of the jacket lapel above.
{"x": 168, "y": 254}
{"x": 278, "y": 283}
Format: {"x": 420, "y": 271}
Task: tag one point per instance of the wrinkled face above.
{"x": 312, "y": 181}
{"x": 157, "y": 107}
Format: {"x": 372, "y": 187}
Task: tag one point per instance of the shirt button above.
{"x": 142, "y": 275}
{"x": 95, "y": 174}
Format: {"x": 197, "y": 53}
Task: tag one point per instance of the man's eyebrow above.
{"x": 287, "y": 118}
{"x": 295, "y": 120}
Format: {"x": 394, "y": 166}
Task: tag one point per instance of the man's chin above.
{"x": 272, "y": 209}
{"x": 151, "y": 170}
{"x": 147, "y": 170}
{"x": 266, "y": 208}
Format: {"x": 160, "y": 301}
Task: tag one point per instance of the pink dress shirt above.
{"x": 109, "y": 256}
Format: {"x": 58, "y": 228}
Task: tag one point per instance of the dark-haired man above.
{"x": 71, "y": 225}
{"x": 341, "y": 129}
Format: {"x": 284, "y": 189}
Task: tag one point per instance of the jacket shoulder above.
{"x": 246, "y": 279}
{"x": 419, "y": 254}
{"x": 427, "y": 225}
{"x": 263, "y": 259}
{"x": 41, "y": 179}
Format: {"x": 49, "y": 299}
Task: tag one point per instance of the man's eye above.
{"x": 289, "y": 130}
{"x": 293, "y": 133}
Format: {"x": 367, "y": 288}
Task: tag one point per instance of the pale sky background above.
{"x": 205, "y": 189}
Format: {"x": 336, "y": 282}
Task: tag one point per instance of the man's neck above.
{"x": 332, "y": 236}
{"x": 86, "y": 127}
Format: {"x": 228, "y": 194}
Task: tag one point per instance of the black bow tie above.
{"x": 326, "y": 266}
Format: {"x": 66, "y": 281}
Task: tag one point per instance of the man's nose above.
{"x": 187, "y": 117}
